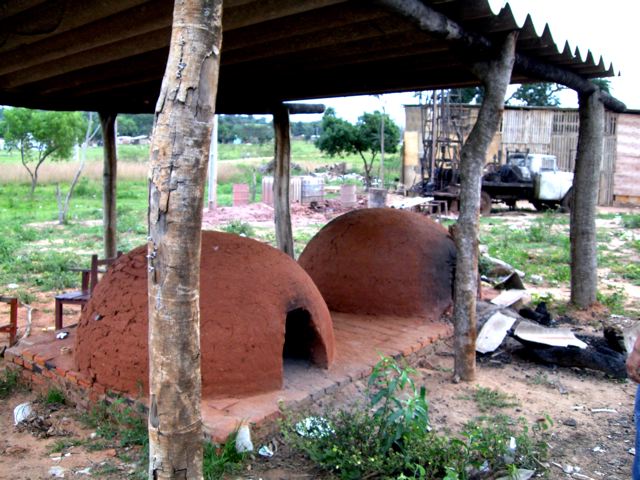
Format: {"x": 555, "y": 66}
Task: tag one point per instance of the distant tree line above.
{"x": 250, "y": 129}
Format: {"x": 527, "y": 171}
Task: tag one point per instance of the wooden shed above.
{"x": 548, "y": 130}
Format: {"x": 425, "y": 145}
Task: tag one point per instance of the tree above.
{"x": 495, "y": 75}
{"x": 177, "y": 172}
{"x": 39, "y": 135}
{"x": 63, "y": 207}
{"x": 339, "y": 137}
{"x": 541, "y": 94}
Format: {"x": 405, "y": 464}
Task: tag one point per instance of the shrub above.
{"x": 390, "y": 437}
{"x": 240, "y": 228}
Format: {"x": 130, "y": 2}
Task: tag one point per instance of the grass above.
{"x": 487, "y": 399}
{"x": 9, "y": 382}
{"x": 219, "y": 460}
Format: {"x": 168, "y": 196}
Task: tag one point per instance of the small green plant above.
{"x": 61, "y": 445}
{"x": 8, "y": 382}
{"x": 487, "y": 399}
{"x": 221, "y": 459}
{"x": 613, "y": 300}
{"x": 240, "y": 228}
{"x": 54, "y": 397}
{"x": 631, "y": 221}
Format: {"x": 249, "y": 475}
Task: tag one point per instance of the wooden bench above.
{"x": 88, "y": 283}
{"x": 12, "y": 327}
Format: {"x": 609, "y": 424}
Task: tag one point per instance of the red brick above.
{"x": 18, "y": 361}
{"x": 100, "y": 389}
{"x": 72, "y": 377}
{"x": 27, "y": 355}
{"x": 10, "y": 356}
{"x": 61, "y": 372}
{"x": 83, "y": 382}
{"x": 40, "y": 360}
{"x": 27, "y": 364}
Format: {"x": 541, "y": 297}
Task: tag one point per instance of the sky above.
{"x": 605, "y": 28}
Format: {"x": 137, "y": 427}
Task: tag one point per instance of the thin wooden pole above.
{"x": 109, "y": 181}
{"x": 281, "y": 179}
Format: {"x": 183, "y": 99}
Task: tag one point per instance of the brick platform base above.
{"x": 47, "y": 362}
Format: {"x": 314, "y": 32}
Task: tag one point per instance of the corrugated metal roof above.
{"x": 97, "y": 55}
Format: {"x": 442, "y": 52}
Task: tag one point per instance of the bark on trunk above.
{"x": 109, "y": 180}
{"x": 584, "y": 263}
{"x": 495, "y": 76}
{"x": 284, "y": 233}
{"x": 178, "y": 168}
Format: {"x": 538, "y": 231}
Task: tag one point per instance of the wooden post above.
{"x": 281, "y": 179}
{"x": 495, "y": 76}
{"x": 584, "y": 261}
{"x": 212, "y": 201}
{"x": 177, "y": 175}
{"x": 109, "y": 180}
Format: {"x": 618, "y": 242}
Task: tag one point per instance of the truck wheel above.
{"x": 540, "y": 206}
{"x": 567, "y": 202}
{"x": 485, "y": 203}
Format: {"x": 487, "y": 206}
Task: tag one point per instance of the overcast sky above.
{"x": 603, "y": 27}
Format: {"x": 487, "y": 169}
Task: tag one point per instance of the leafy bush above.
{"x": 390, "y": 437}
{"x": 240, "y": 228}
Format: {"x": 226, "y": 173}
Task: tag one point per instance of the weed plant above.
{"x": 8, "y": 382}
{"x": 488, "y": 399}
{"x": 222, "y": 459}
{"x": 390, "y": 437}
{"x": 54, "y": 397}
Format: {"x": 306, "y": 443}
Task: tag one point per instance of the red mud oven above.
{"x": 372, "y": 282}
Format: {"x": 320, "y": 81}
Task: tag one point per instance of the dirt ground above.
{"x": 591, "y": 437}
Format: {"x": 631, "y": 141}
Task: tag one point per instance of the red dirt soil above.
{"x": 247, "y": 290}
{"x": 382, "y": 261}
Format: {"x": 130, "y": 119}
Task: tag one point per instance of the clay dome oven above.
{"x": 382, "y": 261}
{"x": 256, "y": 306}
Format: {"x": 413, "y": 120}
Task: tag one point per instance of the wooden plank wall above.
{"x": 626, "y": 179}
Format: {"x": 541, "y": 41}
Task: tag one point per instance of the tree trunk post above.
{"x": 177, "y": 174}
{"x": 584, "y": 261}
{"x": 495, "y": 76}
{"x": 281, "y": 179}
{"x": 109, "y": 180}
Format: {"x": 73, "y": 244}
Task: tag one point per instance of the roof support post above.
{"x": 109, "y": 180}
{"x": 495, "y": 75}
{"x": 281, "y": 180}
{"x": 177, "y": 174}
{"x": 584, "y": 262}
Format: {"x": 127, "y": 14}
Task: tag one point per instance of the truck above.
{"x": 525, "y": 176}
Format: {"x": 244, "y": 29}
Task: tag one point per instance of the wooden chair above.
{"x": 89, "y": 282}
{"x": 12, "y": 327}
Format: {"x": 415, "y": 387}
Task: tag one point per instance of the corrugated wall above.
{"x": 555, "y": 132}
{"x": 626, "y": 179}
